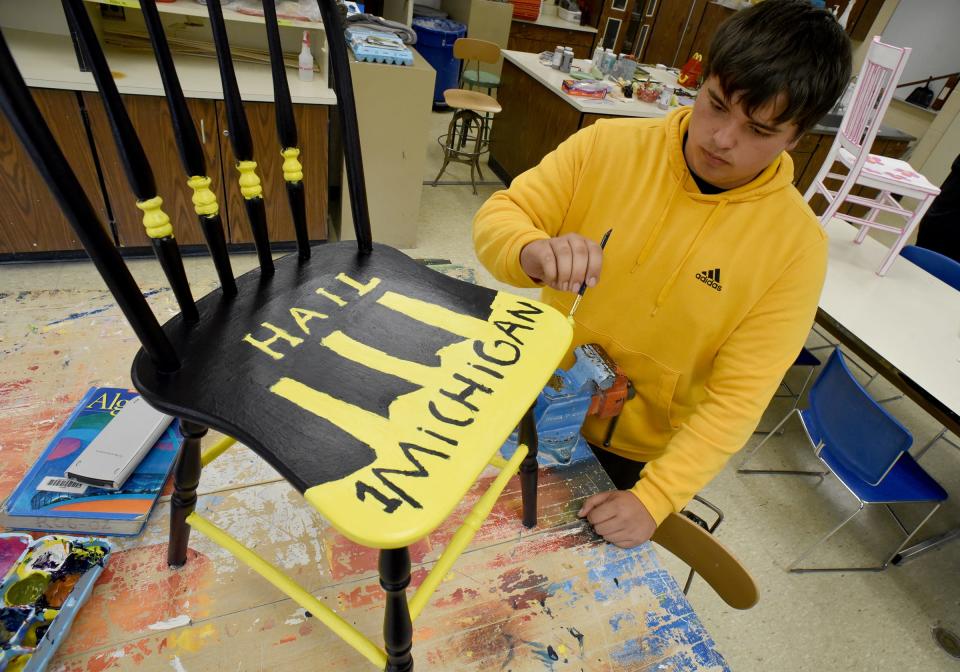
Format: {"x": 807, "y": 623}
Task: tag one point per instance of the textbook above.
{"x": 47, "y": 500}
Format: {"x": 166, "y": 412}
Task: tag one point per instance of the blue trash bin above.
{"x": 435, "y": 38}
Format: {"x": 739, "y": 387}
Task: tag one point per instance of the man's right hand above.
{"x": 563, "y": 263}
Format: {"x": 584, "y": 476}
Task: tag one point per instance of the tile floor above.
{"x": 849, "y": 621}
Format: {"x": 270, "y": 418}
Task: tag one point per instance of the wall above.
{"x": 929, "y": 27}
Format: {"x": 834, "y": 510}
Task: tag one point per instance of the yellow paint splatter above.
{"x": 191, "y": 639}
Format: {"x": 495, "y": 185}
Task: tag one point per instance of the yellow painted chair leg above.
{"x": 340, "y": 627}
{"x": 465, "y": 533}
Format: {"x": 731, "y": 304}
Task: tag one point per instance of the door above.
{"x": 312, "y": 133}
{"x": 30, "y": 218}
{"x": 612, "y": 29}
{"x": 151, "y": 120}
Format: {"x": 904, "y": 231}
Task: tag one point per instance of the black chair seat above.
{"x": 375, "y": 372}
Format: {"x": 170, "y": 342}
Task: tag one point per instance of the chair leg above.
{"x": 930, "y": 443}
{"x": 910, "y": 536}
{"x": 793, "y": 566}
{"x": 905, "y": 234}
{"x": 186, "y": 478}
{"x": 528, "y": 469}
{"x": 394, "y": 565}
{"x": 780, "y": 472}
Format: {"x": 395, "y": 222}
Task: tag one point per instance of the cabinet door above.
{"x": 30, "y": 218}
{"x": 151, "y": 120}
{"x": 312, "y": 134}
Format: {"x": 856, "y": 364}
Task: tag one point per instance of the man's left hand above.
{"x": 619, "y": 517}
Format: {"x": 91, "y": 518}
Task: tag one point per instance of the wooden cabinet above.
{"x": 30, "y": 217}
{"x": 151, "y": 120}
{"x": 312, "y": 134}
{"x": 534, "y": 38}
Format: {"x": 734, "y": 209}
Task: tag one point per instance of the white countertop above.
{"x": 48, "y": 61}
{"x": 908, "y": 317}
{"x": 552, "y": 79}
{"x": 554, "y": 21}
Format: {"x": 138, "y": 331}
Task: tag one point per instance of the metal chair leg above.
{"x": 930, "y": 443}
{"x": 710, "y": 528}
{"x": 781, "y": 472}
{"x": 910, "y": 536}
{"x": 793, "y": 566}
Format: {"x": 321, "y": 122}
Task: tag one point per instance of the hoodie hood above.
{"x": 778, "y": 175}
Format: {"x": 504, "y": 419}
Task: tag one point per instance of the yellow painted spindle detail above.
{"x": 249, "y": 180}
{"x": 204, "y": 200}
{"x": 155, "y": 220}
{"x": 295, "y": 591}
{"x": 464, "y": 534}
{"x": 292, "y": 168}
{"x": 216, "y": 450}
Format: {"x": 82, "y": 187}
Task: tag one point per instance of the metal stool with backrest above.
{"x": 875, "y": 86}
{"x": 467, "y": 136}
{"x": 709, "y": 558}
{"x": 379, "y": 389}
{"x": 865, "y": 447}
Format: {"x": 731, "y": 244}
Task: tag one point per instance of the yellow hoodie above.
{"x": 705, "y": 301}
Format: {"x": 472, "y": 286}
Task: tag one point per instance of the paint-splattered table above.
{"x": 552, "y": 598}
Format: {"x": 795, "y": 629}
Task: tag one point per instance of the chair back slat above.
{"x": 240, "y": 140}
{"x": 191, "y": 151}
{"x": 875, "y": 87}
{"x": 347, "y": 115}
{"x": 25, "y": 118}
{"x": 857, "y": 431}
{"x": 134, "y": 160}
{"x": 287, "y": 132}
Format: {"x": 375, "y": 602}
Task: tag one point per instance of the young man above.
{"x": 712, "y": 275}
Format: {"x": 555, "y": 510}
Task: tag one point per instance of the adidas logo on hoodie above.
{"x": 711, "y": 279}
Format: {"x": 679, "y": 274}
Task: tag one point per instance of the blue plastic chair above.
{"x": 946, "y": 269}
{"x": 938, "y": 265}
{"x": 864, "y": 447}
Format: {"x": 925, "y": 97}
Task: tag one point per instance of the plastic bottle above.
{"x": 567, "y": 60}
{"x": 597, "y": 57}
{"x": 305, "y": 70}
{"x": 557, "y": 57}
{"x": 609, "y": 59}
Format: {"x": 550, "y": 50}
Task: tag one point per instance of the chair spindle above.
{"x": 134, "y": 160}
{"x": 287, "y": 132}
{"x": 25, "y": 118}
{"x": 191, "y": 151}
{"x": 240, "y": 140}
{"x": 349, "y": 128}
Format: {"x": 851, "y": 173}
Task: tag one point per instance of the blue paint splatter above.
{"x": 95, "y": 311}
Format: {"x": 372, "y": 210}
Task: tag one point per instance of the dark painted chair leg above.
{"x": 186, "y": 478}
{"x": 397, "y": 626}
{"x": 528, "y": 469}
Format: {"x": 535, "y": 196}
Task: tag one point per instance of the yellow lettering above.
{"x": 353, "y": 350}
{"x": 361, "y": 289}
{"x": 101, "y": 400}
{"x": 304, "y": 315}
{"x": 264, "y": 346}
{"x": 437, "y": 316}
{"x": 333, "y": 297}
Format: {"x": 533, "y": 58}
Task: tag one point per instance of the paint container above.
{"x": 566, "y": 60}
{"x": 557, "y": 57}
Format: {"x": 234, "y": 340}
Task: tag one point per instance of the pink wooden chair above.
{"x": 875, "y": 86}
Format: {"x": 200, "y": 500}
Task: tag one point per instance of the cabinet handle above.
{"x": 203, "y": 133}
{"x": 226, "y": 132}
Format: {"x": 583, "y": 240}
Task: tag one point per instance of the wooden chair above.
{"x": 888, "y": 176}
{"x": 378, "y": 388}
{"x": 709, "y": 558}
{"x": 473, "y": 111}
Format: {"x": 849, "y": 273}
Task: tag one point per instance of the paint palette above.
{"x": 43, "y": 584}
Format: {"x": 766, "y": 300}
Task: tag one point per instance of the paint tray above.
{"x": 378, "y": 47}
{"x": 43, "y": 585}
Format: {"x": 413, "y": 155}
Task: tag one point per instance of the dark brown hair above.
{"x": 783, "y": 47}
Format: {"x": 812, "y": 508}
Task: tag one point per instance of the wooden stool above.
{"x": 468, "y": 127}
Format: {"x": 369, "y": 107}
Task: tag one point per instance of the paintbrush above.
{"x": 583, "y": 285}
